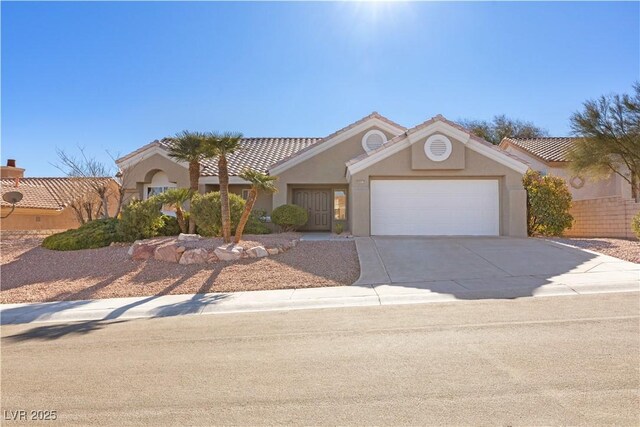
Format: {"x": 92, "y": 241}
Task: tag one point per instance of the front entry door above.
{"x": 318, "y": 206}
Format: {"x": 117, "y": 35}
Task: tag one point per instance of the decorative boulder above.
{"x": 188, "y": 237}
{"x": 194, "y": 256}
{"x": 169, "y": 252}
{"x": 133, "y": 246}
{"x": 211, "y": 257}
{"x": 141, "y": 252}
{"x": 257, "y": 252}
{"x": 273, "y": 251}
{"x": 229, "y": 252}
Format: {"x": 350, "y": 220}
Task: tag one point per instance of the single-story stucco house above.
{"x": 374, "y": 176}
{"x": 601, "y": 207}
{"x": 45, "y": 207}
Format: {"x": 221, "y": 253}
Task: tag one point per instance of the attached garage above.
{"x": 435, "y": 207}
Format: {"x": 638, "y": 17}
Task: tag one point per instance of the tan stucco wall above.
{"x": 327, "y": 167}
{"x": 142, "y": 173}
{"x": 456, "y": 159}
{"x": 591, "y": 189}
{"x": 398, "y": 166}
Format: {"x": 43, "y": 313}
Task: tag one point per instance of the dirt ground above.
{"x": 30, "y": 273}
{"x": 628, "y": 250}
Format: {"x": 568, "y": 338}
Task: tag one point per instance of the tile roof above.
{"x": 47, "y": 193}
{"x": 374, "y": 115}
{"x": 261, "y": 154}
{"x": 549, "y": 149}
{"x": 255, "y": 153}
{"x": 423, "y": 125}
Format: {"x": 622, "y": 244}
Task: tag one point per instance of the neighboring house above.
{"x": 374, "y": 176}
{"x": 46, "y": 203}
{"x": 601, "y": 208}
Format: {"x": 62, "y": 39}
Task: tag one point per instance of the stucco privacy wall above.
{"x": 591, "y": 188}
{"x": 325, "y": 168}
{"x": 603, "y": 217}
{"x": 476, "y": 166}
{"x": 142, "y": 172}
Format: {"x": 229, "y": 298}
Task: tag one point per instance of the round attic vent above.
{"x": 373, "y": 140}
{"x": 437, "y": 148}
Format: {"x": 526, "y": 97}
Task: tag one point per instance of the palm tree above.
{"x": 177, "y": 197}
{"x": 260, "y": 182}
{"x": 187, "y": 147}
{"x": 220, "y": 146}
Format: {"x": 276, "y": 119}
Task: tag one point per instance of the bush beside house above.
{"x": 635, "y": 225}
{"x": 548, "y": 204}
{"x": 289, "y": 217}
{"x": 94, "y": 234}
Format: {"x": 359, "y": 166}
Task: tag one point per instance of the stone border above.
{"x": 174, "y": 250}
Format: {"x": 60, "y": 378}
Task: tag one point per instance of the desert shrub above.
{"x": 289, "y": 217}
{"x": 255, "y": 225}
{"x": 205, "y": 209}
{"x": 339, "y": 228}
{"x": 169, "y": 227}
{"x": 141, "y": 219}
{"x": 635, "y": 224}
{"x": 548, "y": 204}
{"x": 94, "y": 234}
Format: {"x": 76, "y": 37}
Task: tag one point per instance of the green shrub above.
{"x": 289, "y": 217}
{"x": 255, "y": 225}
{"x": 548, "y": 204}
{"x": 170, "y": 226}
{"x": 205, "y": 209}
{"x": 635, "y": 224}
{"x": 141, "y": 219}
{"x": 339, "y": 228}
{"x": 94, "y": 234}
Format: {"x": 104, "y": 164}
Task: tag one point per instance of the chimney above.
{"x": 11, "y": 171}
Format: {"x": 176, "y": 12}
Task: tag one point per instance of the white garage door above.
{"x": 435, "y": 207}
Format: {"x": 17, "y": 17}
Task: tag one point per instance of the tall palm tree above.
{"x": 177, "y": 197}
{"x": 187, "y": 147}
{"x": 260, "y": 183}
{"x": 220, "y": 146}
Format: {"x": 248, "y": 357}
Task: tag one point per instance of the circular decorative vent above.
{"x": 576, "y": 182}
{"x": 373, "y": 140}
{"x": 437, "y": 148}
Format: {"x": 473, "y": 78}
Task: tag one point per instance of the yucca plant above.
{"x": 177, "y": 197}
{"x": 260, "y": 183}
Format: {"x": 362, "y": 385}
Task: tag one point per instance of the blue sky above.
{"x": 118, "y": 75}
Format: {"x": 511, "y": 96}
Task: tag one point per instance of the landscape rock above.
{"x": 168, "y": 252}
{"x": 141, "y": 252}
{"x": 257, "y": 252}
{"x": 194, "y": 256}
{"x": 212, "y": 257}
{"x": 188, "y": 237}
{"x": 229, "y": 252}
{"x": 133, "y": 246}
{"x": 273, "y": 251}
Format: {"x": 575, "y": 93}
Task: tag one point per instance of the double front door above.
{"x": 318, "y": 206}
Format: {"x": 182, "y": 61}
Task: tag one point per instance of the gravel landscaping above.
{"x": 31, "y": 273}
{"x": 628, "y": 250}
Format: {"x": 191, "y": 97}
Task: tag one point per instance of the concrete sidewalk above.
{"x": 295, "y": 299}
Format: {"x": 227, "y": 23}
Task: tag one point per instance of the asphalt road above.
{"x": 535, "y": 361}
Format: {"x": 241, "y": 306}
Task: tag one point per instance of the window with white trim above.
{"x": 158, "y": 185}
{"x": 373, "y": 140}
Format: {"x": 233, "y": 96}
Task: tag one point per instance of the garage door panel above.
{"x": 435, "y": 207}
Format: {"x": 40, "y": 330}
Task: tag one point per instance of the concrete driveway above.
{"x": 487, "y": 267}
